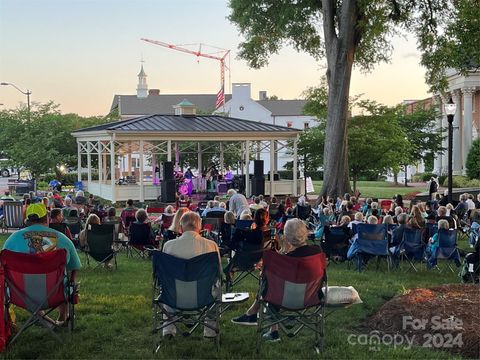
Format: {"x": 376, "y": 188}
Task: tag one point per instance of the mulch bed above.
{"x": 446, "y": 318}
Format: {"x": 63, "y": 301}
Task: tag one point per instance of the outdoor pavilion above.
{"x": 153, "y": 135}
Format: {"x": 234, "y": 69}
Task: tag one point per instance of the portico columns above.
{"x": 169, "y": 150}
{"x": 457, "y": 149}
{"x": 445, "y": 100}
{"x": 467, "y": 122}
{"x": 437, "y": 162}
{"x": 112, "y": 171}
{"x": 199, "y": 160}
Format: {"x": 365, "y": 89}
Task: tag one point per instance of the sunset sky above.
{"x": 79, "y": 53}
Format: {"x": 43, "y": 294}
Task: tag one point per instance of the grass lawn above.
{"x": 379, "y": 189}
{"x": 113, "y": 320}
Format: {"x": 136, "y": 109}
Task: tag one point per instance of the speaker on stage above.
{"x": 258, "y": 186}
{"x": 168, "y": 191}
{"x": 258, "y": 168}
{"x": 167, "y": 170}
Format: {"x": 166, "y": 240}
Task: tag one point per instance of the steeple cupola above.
{"x": 142, "y": 87}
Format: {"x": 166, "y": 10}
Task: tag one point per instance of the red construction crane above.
{"x": 218, "y": 54}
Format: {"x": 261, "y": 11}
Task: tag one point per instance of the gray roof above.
{"x": 284, "y": 107}
{"x": 188, "y": 123}
{"x": 163, "y": 104}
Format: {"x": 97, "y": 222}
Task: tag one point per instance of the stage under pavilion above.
{"x": 147, "y": 139}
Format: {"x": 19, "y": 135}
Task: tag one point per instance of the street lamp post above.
{"x": 28, "y": 93}
{"x": 450, "y": 109}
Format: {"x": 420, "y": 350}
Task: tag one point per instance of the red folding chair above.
{"x": 292, "y": 295}
{"x": 36, "y": 283}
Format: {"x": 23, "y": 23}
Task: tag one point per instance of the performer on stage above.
{"x": 189, "y": 181}
{"x": 229, "y": 177}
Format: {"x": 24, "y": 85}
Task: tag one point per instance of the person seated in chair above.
{"x": 37, "y": 237}
{"x": 112, "y": 218}
{"x": 257, "y": 237}
{"x": 165, "y": 220}
{"x": 56, "y": 222}
{"x": 68, "y": 207}
{"x": 295, "y": 236}
{"x": 433, "y": 243}
{"x": 189, "y": 245}
{"x": 256, "y": 204}
{"x": 175, "y": 229}
{"x": 303, "y": 209}
{"x": 442, "y": 215}
{"x": 82, "y": 237}
{"x": 141, "y": 217}
{"x": 213, "y": 207}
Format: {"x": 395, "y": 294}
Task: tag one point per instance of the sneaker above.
{"x": 249, "y": 320}
{"x": 271, "y": 336}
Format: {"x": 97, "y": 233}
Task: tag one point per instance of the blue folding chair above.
{"x": 186, "y": 294}
{"x": 371, "y": 242}
{"x": 446, "y": 250}
{"x": 412, "y": 247}
{"x": 336, "y": 242}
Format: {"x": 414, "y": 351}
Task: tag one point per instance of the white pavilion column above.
{"x": 89, "y": 164}
{"x": 79, "y": 161}
{"x": 142, "y": 189}
{"x": 199, "y": 159}
{"x": 242, "y": 168}
{"x": 272, "y": 167}
{"x": 112, "y": 171}
{"x": 100, "y": 167}
{"x": 457, "y": 140}
{"x": 467, "y": 122}
{"x": 259, "y": 145}
{"x": 445, "y": 100}
{"x": 437, "y": 161}
{"x": 275, "y": 166}
{"x": 169, "y": 150}
{"x": 295, "y": 166}
{"x": 222, "y": 165}
{"x": 247, "y": 168}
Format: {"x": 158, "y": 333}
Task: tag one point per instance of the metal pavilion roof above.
{"x": 188, "y": 124}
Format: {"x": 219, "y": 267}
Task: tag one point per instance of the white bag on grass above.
{"x": 342, "y": 295}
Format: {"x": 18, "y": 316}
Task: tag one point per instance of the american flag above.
{"x": 220, "y": 98}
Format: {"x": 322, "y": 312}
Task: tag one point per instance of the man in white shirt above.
{"x": 187, "y": 246}
{"x": 238, "y": 203}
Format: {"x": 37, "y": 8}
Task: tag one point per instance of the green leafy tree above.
{"x": 473, "y": 160}
{"x": 345, "y": 32}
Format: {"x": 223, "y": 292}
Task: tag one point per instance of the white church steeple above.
{"x": 142, "y": 87}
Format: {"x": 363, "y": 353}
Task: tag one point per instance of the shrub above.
{"x": 473, "y": 161}
{"x": 441, "y": 179}
{"x": 462, "y": 182}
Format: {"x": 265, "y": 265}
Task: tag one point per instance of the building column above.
{"x": 457, "y": 140}
{"x": 142, "y": 188}
{"x": 259, "y": 145}
{"x": 438, "y": 158}
{"x": 272, "y": 168}
{"x": 169, "y": 150}
{"x": 295, "y": 166}
{"x": 112, "y": 171}
{"x": 89, "y": 164}
{"x": 467, "y": 123}
{"x": 445, "y": 100}
{"x": 79, "y": 161}
{"x": 247, "y": 168}
{"x": 275, "y": 162}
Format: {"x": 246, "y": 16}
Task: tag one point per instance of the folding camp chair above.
{"x": 243, "y": 224}
{"x": 186, "y": 294}
{"x": 244, "y": 263}
{"x": 291, "y": 295}
{"x": 128, "y": 217}
{"x": 140, "y": 240}
{"x": 212, "y": 227}
{"x": 100, "y": 244}
{"x": 371, "y": 242}
{"x": 432, "y": 229}
{"x": 385, "y": 205}
{"x": 37, "y": 283}
{"x": 336, "y": 242}
{"x": 412, "y": 247}
{"x": 12, "y": 215}
{"x": 446, "y": 250}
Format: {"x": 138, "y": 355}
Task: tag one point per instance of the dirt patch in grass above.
{"x": 444, "y": 318}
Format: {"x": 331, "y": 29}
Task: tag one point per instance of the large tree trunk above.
{"x": 340, "y": 51}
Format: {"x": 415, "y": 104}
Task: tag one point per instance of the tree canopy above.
{"x": 356, "y": 32}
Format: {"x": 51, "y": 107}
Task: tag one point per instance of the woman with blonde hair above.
{"x": 175, "y": 229}
{"x": 416, "y": 219}
{"x": 82, "y": 237}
